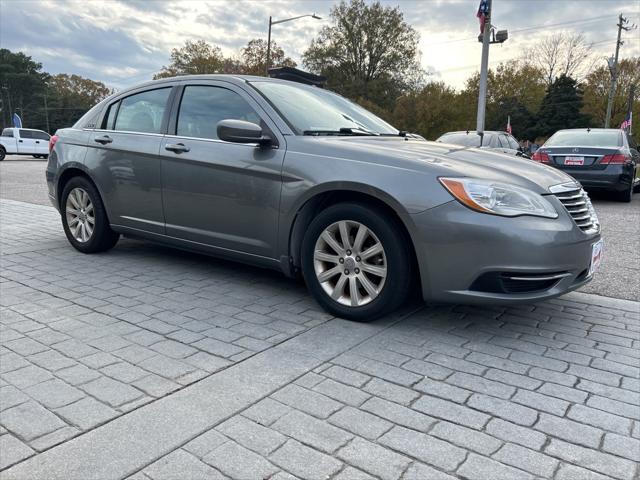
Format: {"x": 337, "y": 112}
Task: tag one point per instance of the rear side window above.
{"x": 143, "y": 112}
{"x": 202, "y": 107}
{"x": 583, "y": 138}
{"x": 110, "y": 117}
{"x": 7, "y": 132}
{"x": 26, "y": 134}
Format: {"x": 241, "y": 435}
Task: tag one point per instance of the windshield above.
{"x": 465, "y": 139}
{"x": 583, "y": 138}
{"x": 312, "y": 110}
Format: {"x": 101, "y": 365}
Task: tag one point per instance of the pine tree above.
{"x": 561, "y": 107}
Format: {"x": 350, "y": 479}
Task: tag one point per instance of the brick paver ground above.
{"x": 142, "y": 336}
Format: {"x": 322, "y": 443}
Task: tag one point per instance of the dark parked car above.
{"x": 296, "y": 178}
{"x": 604, "y": 159}
{"x": 491, "y": 140}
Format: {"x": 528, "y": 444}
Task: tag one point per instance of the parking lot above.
{"x": 149, "y": 363}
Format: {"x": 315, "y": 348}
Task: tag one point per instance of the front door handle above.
{"x": 176, "y": 147}
{"x": 37, "y": 141}
{"x": 103, "y": 140}
{"x": 20, "y": 141}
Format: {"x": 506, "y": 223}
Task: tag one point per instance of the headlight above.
{"x": 498, "y": 198}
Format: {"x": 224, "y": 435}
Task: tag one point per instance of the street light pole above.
{"x": 268, "y": 48}
{"x": 272, "y": 22}
{"x": 484, "y": 67}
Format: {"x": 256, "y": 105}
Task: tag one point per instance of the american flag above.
{"x": 483, "y": 12}
{"x": 627, "y": 122}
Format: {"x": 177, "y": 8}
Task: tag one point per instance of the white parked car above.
{"x": 24, "y": 141}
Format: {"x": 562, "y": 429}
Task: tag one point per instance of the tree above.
{"x": 561, "y": 108}
{"x": 432, "y": 111}
{"x": 193, "y": 58}
{"x": 70, "y": 96}
{"x": 254, "y": 57}
{"x": 22, "y": 84}
{"x": 596, "y": 93}
{"x": 368, "y": 51}
{"x": 561, "y": 54}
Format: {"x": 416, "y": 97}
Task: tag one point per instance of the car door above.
{"x": 26, "y": 142}
{"x": 41, "y": 140}
{"x": 123, "y": 158}
{"x": 218, "y": 193}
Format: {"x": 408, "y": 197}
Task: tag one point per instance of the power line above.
{"x": 535, "y": 27}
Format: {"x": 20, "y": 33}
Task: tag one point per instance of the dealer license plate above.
{"x": 596, "y": 256}
{"x": 574, "y": 160}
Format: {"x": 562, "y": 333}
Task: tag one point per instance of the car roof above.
{"x": 590, "y": 130}
{"x": 469, "y": 132}
{"x": 237, "y": 79}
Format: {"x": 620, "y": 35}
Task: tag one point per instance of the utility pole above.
{"x": 613, "y": 67}
{"x": 484, "y": 72}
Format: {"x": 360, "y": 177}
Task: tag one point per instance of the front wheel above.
{"x": 84, "y": 217}
{"x": 356, "y": 262}
{"x": 3, "y": 153}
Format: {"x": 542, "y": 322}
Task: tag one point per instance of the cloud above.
{"x": 123, "y": 42}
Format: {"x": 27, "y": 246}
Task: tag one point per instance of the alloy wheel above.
{"x": 350, "y": 263}
{"x": 80, "y": 215}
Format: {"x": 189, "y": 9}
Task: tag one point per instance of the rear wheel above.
{"x": 84, "y": 218}
{"x": 36, "y": 156}
{"x": 3, "y": 153}
{"x": 356, "y": 262}
{"x": 626, "y": 195}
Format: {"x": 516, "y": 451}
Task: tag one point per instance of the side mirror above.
{"x": 239, "y": 131}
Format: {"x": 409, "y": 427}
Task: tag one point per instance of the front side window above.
{"x": 312, "y": 110}
{"x": 143, "y": 112}
{"x": 513, "y": 143}
{"x": 202, "y": 107}
{"x": 7, "y": 132}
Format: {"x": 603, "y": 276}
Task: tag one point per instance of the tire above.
{"x": 626, "y": 195}
{"x": 36, "y": 156}
{"x": 384, "y": 293}
{"x": 84, "y": 239}
{"x": 3, "y": 153}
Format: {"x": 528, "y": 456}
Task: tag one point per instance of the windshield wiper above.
{"x": 355, "y": 131}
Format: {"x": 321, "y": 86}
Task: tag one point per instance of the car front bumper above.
{"x": 459, "y": 249}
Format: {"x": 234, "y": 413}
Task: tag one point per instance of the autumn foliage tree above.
{"x": 193, "y": 58}
{"x": 368, "y": 51}
{"x": 254, "y": 57}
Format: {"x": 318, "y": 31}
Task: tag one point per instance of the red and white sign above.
{"x": 596, "y": 256}
{"x": 574, "y": 160}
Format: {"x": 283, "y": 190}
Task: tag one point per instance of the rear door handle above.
{"x": 176, "y": 147}
{"x": 103, "y": 140}
{"x": 20, "y": 141}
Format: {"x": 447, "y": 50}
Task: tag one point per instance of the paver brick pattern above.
{"x": 548, "y": 390}
{"x": 87, "y": 338}
{"x": 358, "y": 416}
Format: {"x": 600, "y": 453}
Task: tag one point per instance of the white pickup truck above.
{"x": 24, "y": 141}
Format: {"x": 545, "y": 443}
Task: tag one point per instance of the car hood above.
{"x": 442, "y": 159}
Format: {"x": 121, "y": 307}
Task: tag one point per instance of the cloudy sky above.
{"x": 123, "y": 42}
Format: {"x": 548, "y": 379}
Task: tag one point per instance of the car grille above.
{"x": 579, "y": 206}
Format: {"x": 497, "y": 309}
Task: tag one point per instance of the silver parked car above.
{"x": 296, "y": 178}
